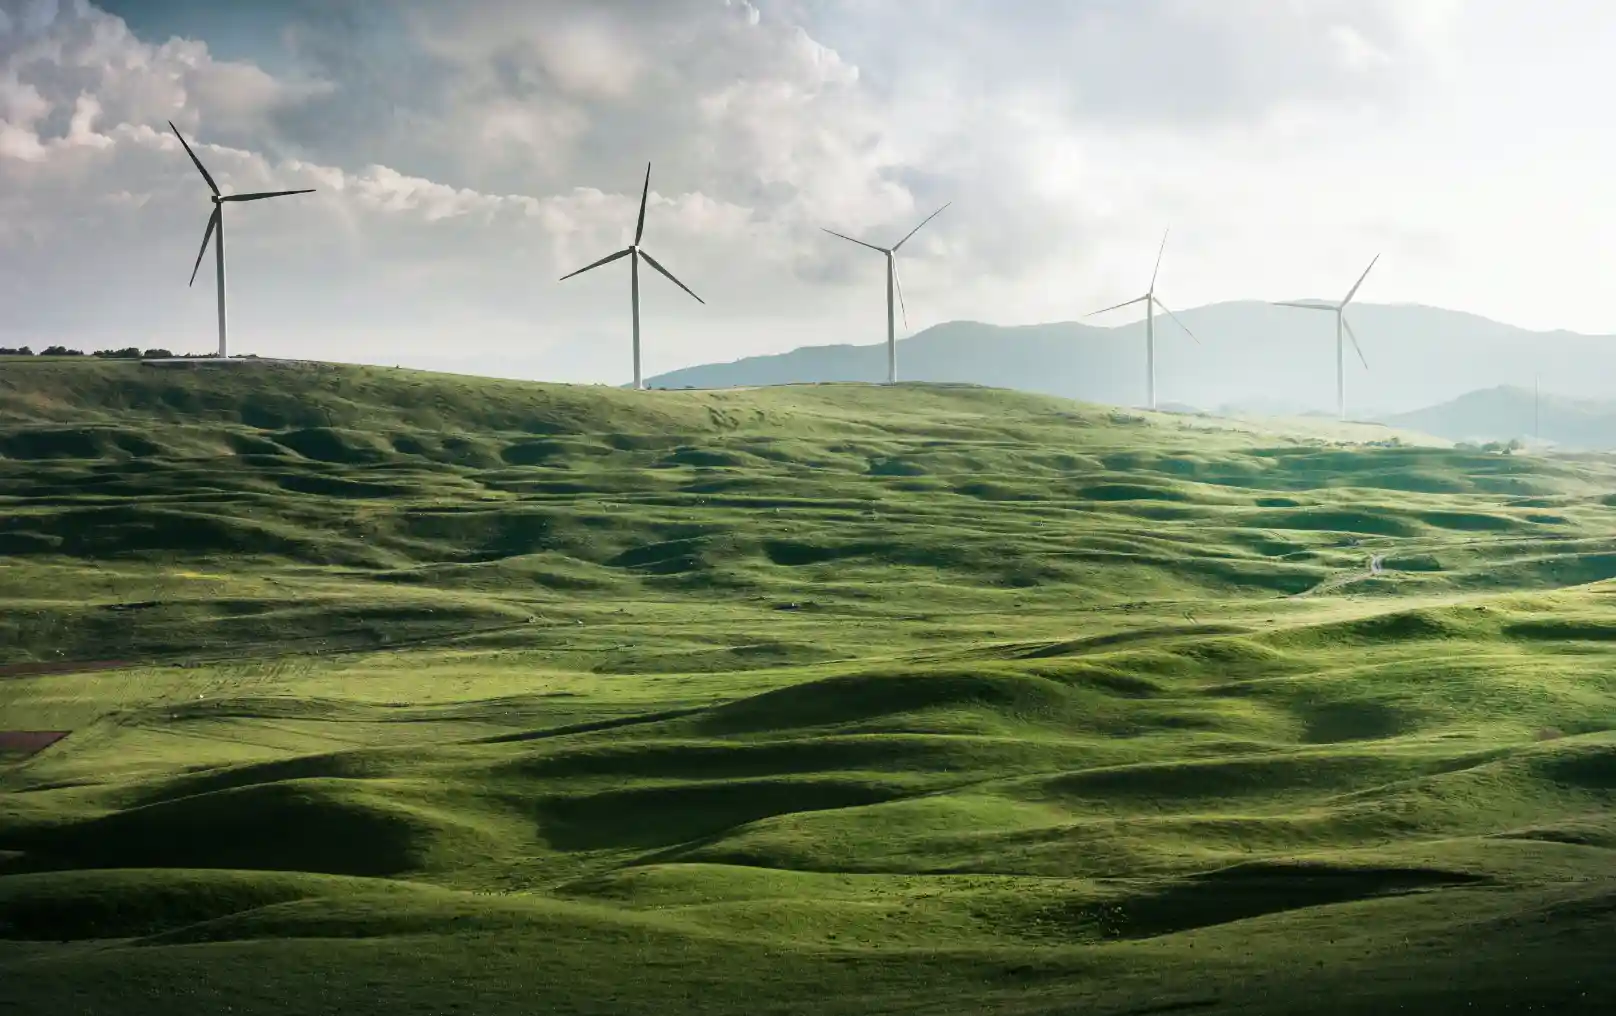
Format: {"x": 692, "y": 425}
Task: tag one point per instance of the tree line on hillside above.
{"x": 1509, "y": 447}
{"x": 127, "y": 353}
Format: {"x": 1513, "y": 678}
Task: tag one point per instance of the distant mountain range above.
{"x": 1506, "y": 412}
{"x": 1254, "y": 358}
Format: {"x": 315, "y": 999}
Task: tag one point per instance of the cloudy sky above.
{"x": 466, "y": 155}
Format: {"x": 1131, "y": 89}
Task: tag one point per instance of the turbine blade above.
{"x": 605, "y": 260}
{"x": 657, "y": 265}
{"x": 1176, "y": 321}
{"x": 1354, "y": 290}
{"x": 861, "y": 243}
{"x": 1159, "y": 252}
{"x": 213, "y": 221}
{"x": 264, "y": 194}
{"x": 204, "y": 170}
{"x": 1118, "y": 306}
{"x": 897, "y": 282}
{"x": 1348, "y": 326}
{"x": 912, "y": 232}
{"x": 1304, "y": 306}
{"x": 639, "y": 229}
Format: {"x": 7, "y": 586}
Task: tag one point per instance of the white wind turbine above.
{"x": 893, "y": 284}
{"x": 1341, "y": 325}
{"x": 216, "y": 222}
{"x": 634, "y": 252}
{"x": 1151, "y": 302}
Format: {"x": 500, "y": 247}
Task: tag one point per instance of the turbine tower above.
{"x": 1151, "y": 302}
{"x": 634, "y": 252}
{"x": 1341, "y": 325}
{"x": 893, "y": 284}
{"x": 216, "y": 222}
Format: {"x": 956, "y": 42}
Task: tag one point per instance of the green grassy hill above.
{"x": 409, "y": 693}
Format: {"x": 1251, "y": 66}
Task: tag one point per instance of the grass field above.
{"x": 332, "y": 689}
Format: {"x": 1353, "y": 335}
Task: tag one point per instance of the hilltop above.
{"x": 1250, "y": 354}
{"x": 349, "y": 689}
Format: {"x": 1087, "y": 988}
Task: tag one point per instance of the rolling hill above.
{"x": 335, "y": 689}
{"x": 1253, "y": 355}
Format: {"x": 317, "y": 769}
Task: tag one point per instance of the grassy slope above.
{"x": 444, "y": 694}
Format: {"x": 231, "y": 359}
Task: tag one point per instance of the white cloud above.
{"x": 71, "y": 55}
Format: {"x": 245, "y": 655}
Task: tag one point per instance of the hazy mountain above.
{"x": 1506, "y": 412}
{"x": 1265, "y": 407}
{"x": 1254, "y": 357}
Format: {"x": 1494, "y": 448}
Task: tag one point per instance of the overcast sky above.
{"x": 469, "y": 154}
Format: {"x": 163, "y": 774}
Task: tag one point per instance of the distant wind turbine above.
{"x": 893, "y": 284}
{"x": 216, "y": 222}
{"x": 1341, "y": 325}
{"x": 634, "y": 252}
{"x": 1151, "y": 302}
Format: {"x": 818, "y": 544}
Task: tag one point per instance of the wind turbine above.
{"x": 1341, "y": 325}
{"x": 1536, "y": 378}
{"x": 216, "y": 222}
{"x": 1151, "y": 302}
{"x": 634, "y": 252}
{"x": 893, "y": 283}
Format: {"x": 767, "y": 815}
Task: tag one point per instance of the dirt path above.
{"x": 1375, "y": 568}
